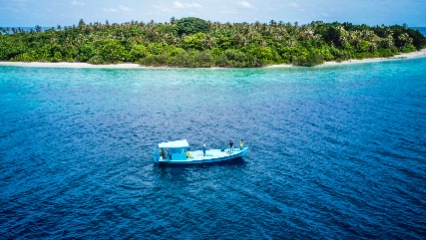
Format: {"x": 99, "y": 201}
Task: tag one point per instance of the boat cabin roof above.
{"x": 174, "y": 144}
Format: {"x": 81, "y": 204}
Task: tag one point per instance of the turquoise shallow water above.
{"x": 335, "y": 152}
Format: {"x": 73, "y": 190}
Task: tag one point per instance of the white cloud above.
{"x": 20, "y": 2}
{"x": 228, "y": 11}
{"x": 77, "y": 3}
{"x": 124, "y": 8}
{"x": 120, "y": 8}
{"x": 178, "y": 4}
{"x": 162, "y": 8}
{"x": 110, "y": 10}
{"x": 293, "y": 5}
{"x": 245, "y": 4}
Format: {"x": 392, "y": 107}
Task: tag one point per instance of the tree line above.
{"x": 194, "y": 42}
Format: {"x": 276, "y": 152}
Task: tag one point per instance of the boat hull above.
{"x": 212, "y": 155}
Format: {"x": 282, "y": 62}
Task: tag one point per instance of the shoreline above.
{"x": 417, "y": 54}
{"x": 411, "y": 55}
{"x": 402, "y": 56}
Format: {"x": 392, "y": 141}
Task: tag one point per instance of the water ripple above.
{"x": 334, "y": 153}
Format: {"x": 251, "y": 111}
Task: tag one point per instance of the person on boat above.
{"x": 204, "y": 150}
{"x": 162, "y": 153}
{"x": 231, "y": 144}
{"x": 241, "y": 144}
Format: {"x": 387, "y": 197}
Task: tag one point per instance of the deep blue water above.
{"x": 422, "y": 30}
{"x": 335, "y": 152}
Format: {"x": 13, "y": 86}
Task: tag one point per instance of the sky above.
{"x": 50, "y": 13}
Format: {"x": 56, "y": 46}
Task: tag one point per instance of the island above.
{"x": 196, "y": 43}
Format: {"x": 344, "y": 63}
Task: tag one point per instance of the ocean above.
{"x": 335, "y": 152}
{"x": 422, "y": 30}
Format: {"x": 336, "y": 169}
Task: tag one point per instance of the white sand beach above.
{"x": 418, "y": 54}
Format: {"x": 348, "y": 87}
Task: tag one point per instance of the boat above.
{"x": 177, "y": 152}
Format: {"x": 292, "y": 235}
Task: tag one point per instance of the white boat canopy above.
{"x": 174, "y": 144}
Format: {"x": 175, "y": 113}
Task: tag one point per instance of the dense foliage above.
{"x": 193, "y": 42}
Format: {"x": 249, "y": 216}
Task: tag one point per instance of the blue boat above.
{"x": 177, "y": 152}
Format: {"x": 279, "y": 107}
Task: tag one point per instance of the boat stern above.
{"x": 155, "y": 156}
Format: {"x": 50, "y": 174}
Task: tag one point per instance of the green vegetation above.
{"x": 193, "y": 42}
